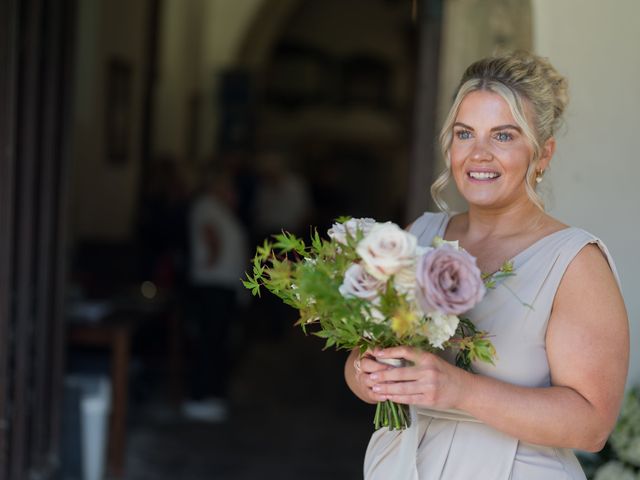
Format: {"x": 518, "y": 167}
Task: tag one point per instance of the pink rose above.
{"x": 449, "y": 282}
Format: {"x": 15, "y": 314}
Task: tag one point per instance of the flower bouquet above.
{"x": 370, "y": 285}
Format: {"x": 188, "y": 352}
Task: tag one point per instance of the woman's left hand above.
{"x": 429, "y": 381}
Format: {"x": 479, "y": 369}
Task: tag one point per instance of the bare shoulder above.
{"x": 588, "y": 333}
{"x": 588, "y": 315}
{"x": 589, "y": 290}
{"x": 589, "y": 269}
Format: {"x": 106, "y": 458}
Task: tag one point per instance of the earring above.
{"x": 539, "y": 175}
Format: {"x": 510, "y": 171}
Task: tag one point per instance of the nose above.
{"x": 481, "y": 151}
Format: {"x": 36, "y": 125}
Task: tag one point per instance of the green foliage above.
{"x": 491, "y": 279}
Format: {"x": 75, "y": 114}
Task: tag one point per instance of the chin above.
{"x": 481, "y": 200}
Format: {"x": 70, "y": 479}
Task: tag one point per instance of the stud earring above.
{"x": 539, "y": 175}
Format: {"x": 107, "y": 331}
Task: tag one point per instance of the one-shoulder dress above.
{"x": 452, "y": 445}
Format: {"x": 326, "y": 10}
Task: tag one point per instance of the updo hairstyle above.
{"x": 515, "y": 77}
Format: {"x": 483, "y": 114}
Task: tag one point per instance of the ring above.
{"x": 356, "y": 365}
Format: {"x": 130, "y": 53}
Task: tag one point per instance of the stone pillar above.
{"x": 472, "y": 29}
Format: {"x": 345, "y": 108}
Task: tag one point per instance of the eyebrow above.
{"x": 499, "y": 127}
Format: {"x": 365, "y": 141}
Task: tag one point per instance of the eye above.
{"x": 504, "y": 136}
{"x": 463, "y": 134}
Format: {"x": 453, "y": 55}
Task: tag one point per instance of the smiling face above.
{"x": 489, "y": 152}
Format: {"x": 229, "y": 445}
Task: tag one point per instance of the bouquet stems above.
{"x": 392, "y": 415}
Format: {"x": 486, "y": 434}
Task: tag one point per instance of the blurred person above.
{"x": 562, "y": 359}
{"x": 283, "y": 202}
{"x": 218, "y": 258}
{"x": 283, "y": 199}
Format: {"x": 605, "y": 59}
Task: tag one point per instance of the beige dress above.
{"x": 454, "y": 446}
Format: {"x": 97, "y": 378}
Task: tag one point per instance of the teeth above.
{"x": 483, "y": 175}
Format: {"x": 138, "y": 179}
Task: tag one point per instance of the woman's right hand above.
{"x": 357, "y": 370}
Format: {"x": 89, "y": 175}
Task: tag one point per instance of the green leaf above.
{"x": 490, "y": 284}
{"x": 287, "y": 242}
{"x": 316, "y": 241}
{"x": 263, "y": 252}
{"x": 252, "y": 284}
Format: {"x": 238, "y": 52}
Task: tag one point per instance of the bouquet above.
{"x": 370, "y": 285}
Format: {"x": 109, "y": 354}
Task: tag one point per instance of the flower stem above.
{"x": 376, "y": 419}
{"x": 391, "y": 415}
{"x": 394, "y": 412}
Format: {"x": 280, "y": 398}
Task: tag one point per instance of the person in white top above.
{"x": 218, "y": 258}
{"x": 283, "y": 200}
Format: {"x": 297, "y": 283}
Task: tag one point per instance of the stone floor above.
{"x": 292, "y": 418}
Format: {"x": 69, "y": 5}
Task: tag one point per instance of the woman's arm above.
{"x": 587, "y": 348}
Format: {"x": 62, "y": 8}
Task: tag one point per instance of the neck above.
{"x": 504, "y": 221}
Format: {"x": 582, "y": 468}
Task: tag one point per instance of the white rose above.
{"x": 441, "y": 328}
{"x": 360, "y": 284}
{"x": 339, "y": 231}
{"x": 387, "y": 250}
{"x": 405, "y": 282}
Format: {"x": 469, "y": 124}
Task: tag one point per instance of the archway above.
{"x": 335, "y": 87}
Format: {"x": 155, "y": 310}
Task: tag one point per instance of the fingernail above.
{"x": 373, "y": 376}
{"x": 376, "y": 388}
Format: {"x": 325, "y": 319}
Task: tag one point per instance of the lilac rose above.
{"x": 358, "y": 283}
{"x": 449, "y": 281}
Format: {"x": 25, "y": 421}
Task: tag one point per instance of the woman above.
{"x": 559, "y": 325}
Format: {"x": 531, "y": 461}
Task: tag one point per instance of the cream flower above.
{"x": 386, "y": 250}
{"x": 405, "y": 282}
{"x": 439, "y": 241}
{"x": 440, "y": 328}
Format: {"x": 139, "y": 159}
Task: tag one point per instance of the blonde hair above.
{"x": 516, "y": 77}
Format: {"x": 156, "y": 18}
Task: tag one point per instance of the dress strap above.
{"x": 428, "y": 225}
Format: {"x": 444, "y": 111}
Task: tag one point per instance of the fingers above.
{"x": 401, "y": 388}
{"x": 369, "y": 365}
{"x": 414, "y": 355}
{"x": 400, "y": 374}
{"x": 363, "y": 368}
{"x": 428, "y": 380}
